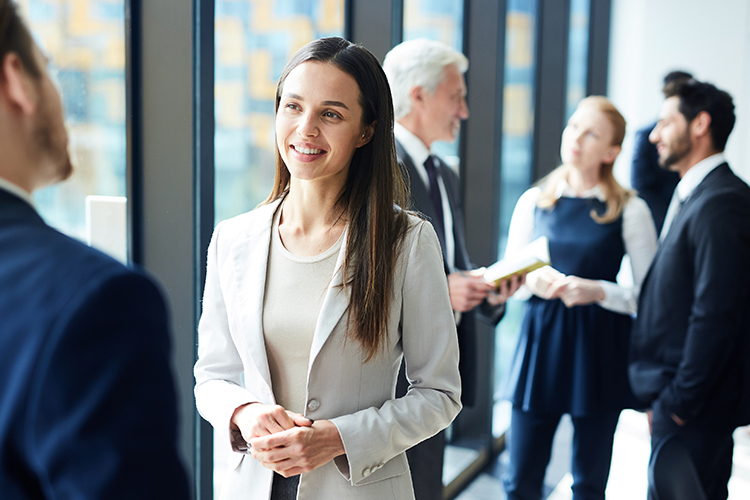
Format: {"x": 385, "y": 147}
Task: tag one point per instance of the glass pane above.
{"x": 440, "y": 20}
{"x": 254, "y": 40}
{"x": 516, "y": 165}
{"x": 85, "y": 41}
{"x": 578, "y": 54}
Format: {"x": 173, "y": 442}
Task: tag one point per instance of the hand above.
{"x": 505, "y": 290}
{"x": 255, "y": 420}
{"x": 678, "y": 420}
{"x": 300, "y": 449}
{"x": 540, "y": 280}
{"x": 468, "y": 289}
{"x": 575, "y": 291}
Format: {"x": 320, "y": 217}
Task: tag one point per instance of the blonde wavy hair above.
{"x": 615, "y": 195}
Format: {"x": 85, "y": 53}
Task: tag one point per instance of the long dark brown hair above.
{"x": 373, "y": 191}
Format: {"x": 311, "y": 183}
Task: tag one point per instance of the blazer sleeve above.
{"x": 374, "y": 436}
{"x": 218, "y": 371}
{"x": 644, "y": 169}
{"x": 719, "y": 242}
{"x": 103, "y": 419}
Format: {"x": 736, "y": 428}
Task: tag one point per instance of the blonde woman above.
{"x": 572, "y": 351}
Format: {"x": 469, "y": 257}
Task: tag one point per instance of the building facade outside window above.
{"x": 85, "y": 41}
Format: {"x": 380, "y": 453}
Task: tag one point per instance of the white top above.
{"x": 687, "y": 185}
{"x": 638, "y": 235}
{"x": 295, "y": 289}
{"x": 418, "y": 152}
{"x": 16, "y": 190}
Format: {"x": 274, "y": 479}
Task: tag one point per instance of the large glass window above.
{"x": 516, "y": 167}
{"x": 85, "y": 41}
{"x": 254, "y": 39}
{"x": 442, "y": 21}
{"x": 578, "y": 54}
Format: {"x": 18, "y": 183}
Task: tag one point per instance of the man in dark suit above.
{"x": 691, "y": 340}
{"x": 87, "y": 403}
{"x": 427, "y": 83}
{"x": 653, "y": 183}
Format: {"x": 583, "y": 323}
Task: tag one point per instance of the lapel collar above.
{"x": 420, "y": 198}
{"x": 677, "y": 222}
{"x": 334, "y": 306}
{"x": 250, "y": 262}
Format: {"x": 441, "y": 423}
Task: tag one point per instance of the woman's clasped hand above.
{"x": 549, "y": 283}
{"x": 287, "y": 442}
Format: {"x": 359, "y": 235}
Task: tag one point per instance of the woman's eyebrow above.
{"x": 335, "y": 103}
{"x": 325, "y": 103}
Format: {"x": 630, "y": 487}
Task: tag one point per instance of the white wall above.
{"x": 709, "y": 38}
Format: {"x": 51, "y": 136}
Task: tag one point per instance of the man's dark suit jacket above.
{"x": 87, "y": 402}
{"x": 691, "y": 339}
{"x": 653, "y": 183}
{"x": 466, "y": 327}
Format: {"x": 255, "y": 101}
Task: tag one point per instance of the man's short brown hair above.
{"x": 16, "y": 37}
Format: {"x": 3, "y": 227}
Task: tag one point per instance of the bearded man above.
{"x": 691, "y": 340}
{"x": 87, "y": 401}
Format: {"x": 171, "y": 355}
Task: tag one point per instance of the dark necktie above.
{"x": 437, "y": 200}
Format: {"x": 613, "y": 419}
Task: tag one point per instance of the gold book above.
{"x": 526, "y": 259}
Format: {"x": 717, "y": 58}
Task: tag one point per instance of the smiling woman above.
{"x": 313, "y": 299}
{"x": 319, "y": 125}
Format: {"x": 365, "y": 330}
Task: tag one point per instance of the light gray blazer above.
{"x": 376, "y": 428}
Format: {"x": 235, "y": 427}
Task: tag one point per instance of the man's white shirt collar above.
{"x": 17, "y": 190}
{"x": 696, "y": 174}
{"x": 415, "y": 148}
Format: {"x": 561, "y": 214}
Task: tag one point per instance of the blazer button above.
{"x": 313, "y": 405}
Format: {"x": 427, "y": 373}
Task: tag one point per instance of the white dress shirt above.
{"x": 418, "y": 152}
{"x": 16, "y": 190}
{"x": 638, "y": 235}
{"x": 687, "y": 185}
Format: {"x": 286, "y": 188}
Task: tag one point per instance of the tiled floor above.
{"x": 627, "y": 479}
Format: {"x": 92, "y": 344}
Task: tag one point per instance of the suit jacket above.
{"x": 653, "y": 183}
{"x": 358, "y": 397}
{"x": 420, "y": 201}
{"x": 87, "y": 403}
{"x": 691, "y": 339}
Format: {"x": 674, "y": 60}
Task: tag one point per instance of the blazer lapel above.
{"x": 678, "y": 220}
{"x": 250, "y": 263}
{"x": 334, "y": 305}
{"x": 420, "y": 197}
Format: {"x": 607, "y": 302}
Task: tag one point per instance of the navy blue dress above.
{"x": 574, "y": 360}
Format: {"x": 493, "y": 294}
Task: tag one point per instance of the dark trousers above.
{"x": 426, "y": 458}
{"x": 710, "y": 449}
{"x": 530, "y": 446}
{"x": 426, "y": 465}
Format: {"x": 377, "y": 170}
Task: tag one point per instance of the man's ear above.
{"x": 701, "y": 124}
{"x": 417, "y": 95}
{"x": 16, "y": 85}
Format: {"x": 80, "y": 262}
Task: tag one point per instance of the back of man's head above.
{"x": 15, "y": 37}
{"x": 696, "y": 97}
{"x": 418, "y": 63}
{"x": 674, "y": 79}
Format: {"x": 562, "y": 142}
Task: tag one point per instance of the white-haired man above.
{"x": 429, "y": 100}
